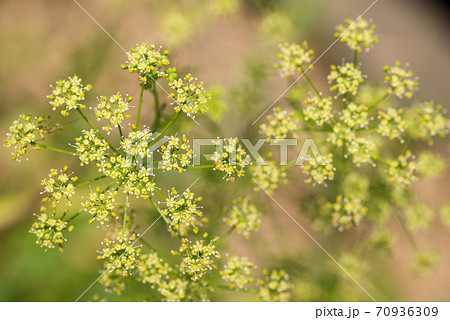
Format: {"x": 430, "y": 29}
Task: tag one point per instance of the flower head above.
{"x": 355, "y": 116}
{"x": 60, "y": 185}
{"x": 346, "y": 78}
{"x": 237, "y": 272}
{"x": 275, "y": 286}
{"x": 231, "y": 158}
{"x": 120, "y": 254}
{"x": 24, "y": 132}
{"x": 431, "y": 122}
{"x": 319, "y": 171}
{"x": 68, "y": 94}
{"x": 49, "y": 230}
{"x": 401, "y": 172}
{"x": 198, "y": 257}
{"x": 319, "y": 110}
{"x": 89, "y": 147}
{"x": 280, "y": 125}
{"x": 293, "y": 57}
{"x": 137, "y": 143}
{"x": 357, "y": 34}
{"x": 150, "y": 63}
{"x": 243, "y": 216}
{"x": 101, "y": 205}
{"x": 402, "y": 83}
{"x": 182, "y": 210}
{"x": 176, "y": 154}
{"x": 346, "y": 212}
{"x": 391, "y": 124}
{"x": 190, "y": 97}
{"x": 269, "y": 176}
{"x": 112, "y": 109}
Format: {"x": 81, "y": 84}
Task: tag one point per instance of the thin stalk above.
{"x": 156, "y": 106}
{"x": 311, "y": 85}
{"x": 97, "y": 132}
{"x": 165, "y": 218}
{"x": 125, "y": 213}
{"x": 376, "y": 103}
{"x": 89, "y": 181}
{"x": 120, "y": 131}
{"x": 406, "y": 230}
{"x": 75, "y": 215}
{"x": 165, "y": 128}
{"x": 55, "y": 149}
{"x": 355, "y": 58}
{"x": 136, "y": 126}
{"x": 225, "y": 235}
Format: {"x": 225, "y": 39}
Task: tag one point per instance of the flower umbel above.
{"x": 293, "y": 57}
{"x": 190, "y": 98}
{"x": 275, "y": 286}
{"x": 237, "y": 272}
{"x": 112, "y": 109}
{"x": 243, "y": 216}
{"x": 68, "y": 94}
{"x": 402, "y": 83}
{"x": 60, "y": 185}
{"x": 357, "y": 34}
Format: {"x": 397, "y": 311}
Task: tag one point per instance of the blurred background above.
{"x": 231, "y": 46}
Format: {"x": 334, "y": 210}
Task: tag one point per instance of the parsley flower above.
{"x": 112, "y": 109}
{"x": 357, "y": 35}
{"x": 346, "y": 78}
{"x": 293, "y": 57}
{"x": 346, "y": 212}
{"x": 245, "y": 217}
{"x": 275, "y": 286}
{"x": 237, "y": 271}
{"x": 402, "y": 83}
{"x": 68, "y": 94}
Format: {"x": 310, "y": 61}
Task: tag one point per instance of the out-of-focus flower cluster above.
{"x": 293, "y": 57}
{"x": 402, "y": 83}
{"x": 401, "y": 172}
{"x": 347, "y": 211}
{"x": 280, "y": 125}
{"x": 357, "y": 34}
{"x": 274, "y": 287}
{"x": 237, "y": 272}
{"x": 243, "y": 216}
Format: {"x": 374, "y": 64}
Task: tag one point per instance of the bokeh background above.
{"x": 231, "y": 46}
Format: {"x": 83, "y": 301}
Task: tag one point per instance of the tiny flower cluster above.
{"x": 280, "y": 125}
{"x": 355, "y": 116}
{"x": 347, "y": 78}
{"x": 231, "y": 159}
{"x": 89, "y": 147}
{"x": 243, "y": 216}
{"x": 198, "y": 257}
{"x": 402, "y": 83}
{"x": 319, "y": 171}
{"x": 148, "y": 62}
{"x": 346, "y": 212}
{"x": 190, "y": 98}
{"x": 112, "y": 109}
{"x": 182, "y": 210}
{"x": 401, "y": 172}
{"x": 237, "y": 272}
{"x": 101, "y": 205}
{"x": 391, "y": 123}
{"x": 137, "y": 143}
{"x": 24, "y": 132}
{"x": 269, "y": 176}
{"x": 275, "y": 286}
{"x": 293, "y": 57}
{"x": 60, "y": 185}
{"x": 49, "y": 230}
{"x": 176, "y": 155}
{"x": 357, "y": 34}
{"x": 319, "y": 110}
{"x": 68, "y": 94}
{"x": 431, "y": 121}
{"x": 119, "y": 253}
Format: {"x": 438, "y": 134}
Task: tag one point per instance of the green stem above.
{"x": 75, "y": 215}
{"x": 165, "y": 128}
{"x": 406, "y": 230}
{"x": 125, "y": 213}
{"x": 225, "y": 235}
{"x": 156, "y": 106}
{"x": 376, "y": 103}
{"x": 120, "y": 131}
{"x": 165, "y": 218}
{"x": 89, "y": 181}
{"x": 355, "y": 58}
{"x": 311, "y": 85}
{"x": 136, "y": 126}
{"x": 55, "y": 149}
{"x": 97, "y": 132}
